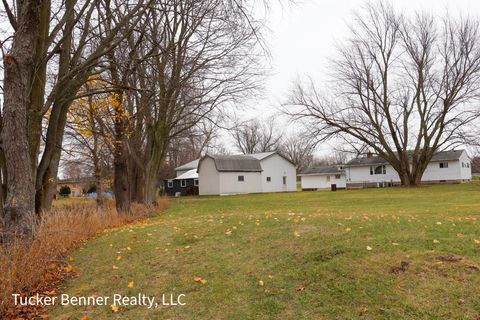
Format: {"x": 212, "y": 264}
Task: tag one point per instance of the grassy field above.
{"x": 369, "y": 254}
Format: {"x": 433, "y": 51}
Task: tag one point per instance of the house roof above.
{"x": 262, "y": 155}
{"x": 237, "y": 163}
{"x": 323, "y": 170}
{"x": 188, "y": 166}
{"x": 190, "y": 174}
{"x": 450, "y": 155}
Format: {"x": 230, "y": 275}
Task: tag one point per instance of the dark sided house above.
{"x": 185, "y": 184}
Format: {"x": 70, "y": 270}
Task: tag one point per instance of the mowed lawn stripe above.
{"x": 371, "y": 254}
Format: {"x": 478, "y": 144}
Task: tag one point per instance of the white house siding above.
{"x": 276, "y": 167}
{"x": 229, "y": 183}
{"x": 360, "y": 175}
{"x": 319, "y": 181}
{"x": 208, "y": 178}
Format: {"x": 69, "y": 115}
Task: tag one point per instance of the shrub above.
{"x": 65, "y": 191}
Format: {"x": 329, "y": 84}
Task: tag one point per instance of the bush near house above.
{"x": 65, "y": 191}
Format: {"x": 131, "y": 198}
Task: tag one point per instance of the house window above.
{"x": 443, "y": 165}
{"x": 468, "y": 165}
{"x": 284, "y": 180}
{"x": 241, "y": 178}
{"x": 269, "y": 179}
{"x": 195, "y": 182}
{"x": 170, "y": 184}
{"x": 378, "y": 170}
{"x": 328, "y": 178}
{"x": 183, "y": 183}
{"x": 337, "y": 176}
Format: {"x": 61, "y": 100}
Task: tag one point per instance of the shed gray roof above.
{"x": 451, "y": 155}
{"x": 237, "y": 163}
{"x": 188, "y": 166}
{"x": 323, "y": 170}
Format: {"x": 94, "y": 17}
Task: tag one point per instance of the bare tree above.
{"x": 402, "y": 86}
{"x": 256, "y": 136}
{"x": 299, "y": 148}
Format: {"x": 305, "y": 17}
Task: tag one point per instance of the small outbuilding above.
{"x": 252, "y": 173}
{"x": 323, "y": 178}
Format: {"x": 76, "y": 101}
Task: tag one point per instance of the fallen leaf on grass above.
{"x": 395, "y": 244}
{"x": 200, "y": 280}
{"x": 301, "y": 287}
{"x": 270, "y": 276}
{"x": 296, "y": 233}
{"x": 369, "y": 248}
{"x": 71, "y": 259}
{"x": 260, "y": 283}
{"x": 114, "y": 267}
{"x": 131, "y": 284}
{"x": 436, "y": 241}
{"x": 84, "y": 318}
{"x": 119, "y": 258}
{"x": 68, "y": 269}
{"x": 476, "y": 241}
{"x": 114, "y": 307}
{"x": 348, "y": 229}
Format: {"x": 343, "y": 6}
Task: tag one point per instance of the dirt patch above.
{"x": 451, "y": 258}
{"x": 400, "y": 269}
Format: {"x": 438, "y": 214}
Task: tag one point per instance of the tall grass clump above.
{"x": 25, "y": 268}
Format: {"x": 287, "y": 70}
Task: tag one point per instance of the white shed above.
{"x": 253, "y": 173}
{"x": 323, "y": 178}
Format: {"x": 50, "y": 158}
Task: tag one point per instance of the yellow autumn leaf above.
{"x": 130, "y": 284}
{"x": 119, "y": 258}
{"x": 68, "y": 269}
{"x": 369, "y": 248}
{"x": 114, "y": 307}
{"x": 71, "y": 259}
{"x": 84, "y": 318}
{"x": 114, "y": 267}
{"x": 260, "y": 283}
{"x": 296, "y": 233}
{"x": 200, "y": 280}
{"x": 436, "y": 241}
{"x": 476, "y": 241}
{"x": 348, "y": 229}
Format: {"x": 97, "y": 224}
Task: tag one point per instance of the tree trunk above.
{"x": 120, "y": 161}
{"x": 152, "y": 169}
{"x": 19, "y": 218}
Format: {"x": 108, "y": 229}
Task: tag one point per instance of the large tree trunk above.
{"x": 120, "y": 160}
{"x": 19, "y": 219}
{"x": 152, "y": 169}
{"x": 37, "y": 94}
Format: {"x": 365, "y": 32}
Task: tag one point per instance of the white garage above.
{"x": 322, "y": 178}
{"x": 252, "y": 173}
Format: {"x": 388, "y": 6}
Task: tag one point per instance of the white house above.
{"x": 253, "y": 173}
{"x": 323, "y": 178}
{"x": 186, "y": 167}
{"x": 373, "y": 171}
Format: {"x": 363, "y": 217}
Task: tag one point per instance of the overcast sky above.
{"x": 303, "y": 37}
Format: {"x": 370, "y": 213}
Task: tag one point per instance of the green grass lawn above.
{"x": 320, "y": 255}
